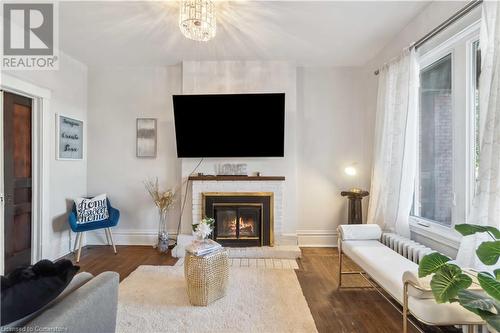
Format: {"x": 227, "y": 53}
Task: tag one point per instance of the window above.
{"x": 435, "y": 142}
{"x": 448, "y": 130}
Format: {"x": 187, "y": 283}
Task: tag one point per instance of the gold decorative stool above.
{"x": 206, "y": 277}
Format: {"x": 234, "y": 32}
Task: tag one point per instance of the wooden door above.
{"x": 17, "y": 180}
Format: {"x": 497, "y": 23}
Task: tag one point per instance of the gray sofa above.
{"x": 87, "y": 305}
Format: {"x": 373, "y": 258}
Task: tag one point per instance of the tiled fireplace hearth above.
{"x": 248, "y": 210}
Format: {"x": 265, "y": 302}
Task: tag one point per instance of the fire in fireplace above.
{"x": 235, "y": 222}
{"x": 240, "y": 219}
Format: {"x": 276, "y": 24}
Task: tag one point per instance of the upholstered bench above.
{"x": 398, "y": 277}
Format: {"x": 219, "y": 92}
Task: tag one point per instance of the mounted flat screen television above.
{"x": 232, "y": 125}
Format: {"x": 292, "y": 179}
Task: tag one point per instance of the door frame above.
{"x": 40, "y": 162}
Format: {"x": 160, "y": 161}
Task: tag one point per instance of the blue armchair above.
{"x": 114, "y": 216}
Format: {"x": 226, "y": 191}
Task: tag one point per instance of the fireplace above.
{"x": 242, "y": 218}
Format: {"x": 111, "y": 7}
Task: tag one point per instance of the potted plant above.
{"x": 450, "y": 283}
{"x": 163, "y": 200}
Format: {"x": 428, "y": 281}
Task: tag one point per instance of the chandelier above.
{"x": 197, "y": 19}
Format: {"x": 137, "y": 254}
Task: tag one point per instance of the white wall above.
{"x": 250, "y": 77}
{"x": 117, "y": 97}
{"x": 432, "y": 16}
{"x": 68, "y": 179}
{"x": 327, "y": 128}
{"x": 334, "y": 132}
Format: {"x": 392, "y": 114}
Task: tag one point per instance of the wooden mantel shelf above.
{"x": 237, "y": 178}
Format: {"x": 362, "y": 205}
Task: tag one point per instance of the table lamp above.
{"x": 354, "y": 196}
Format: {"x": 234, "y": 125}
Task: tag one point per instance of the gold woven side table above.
{"x": 206, "y": 277}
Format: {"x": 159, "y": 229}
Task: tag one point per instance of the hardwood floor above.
{"x": 345, "y": 310}
{"x": 355, "y": 310}
{"x": 98, "y": 259}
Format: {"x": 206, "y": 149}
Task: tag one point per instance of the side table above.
{"x": 206, "y": 276}
{"x": 355, "y": 209}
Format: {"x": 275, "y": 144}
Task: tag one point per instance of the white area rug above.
{"x": 154, "y": 299}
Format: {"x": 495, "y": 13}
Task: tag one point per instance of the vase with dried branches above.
{"x": 163, "y": 201}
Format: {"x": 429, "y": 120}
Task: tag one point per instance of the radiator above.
{"x": 406, "y": 247}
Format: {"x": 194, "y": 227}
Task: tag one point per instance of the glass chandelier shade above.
{"x": 197, "y": 19}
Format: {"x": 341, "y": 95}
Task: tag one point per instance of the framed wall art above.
{"x": 69, "y": 134}
{"x": 146, "y": 137}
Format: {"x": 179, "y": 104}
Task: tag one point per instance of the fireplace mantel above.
{"x": 236, "y": 178}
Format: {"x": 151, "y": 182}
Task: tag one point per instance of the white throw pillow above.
{"x": 91, "y": 210}
{"x": 360, "y": 232}
{"x": 424, "y": 282}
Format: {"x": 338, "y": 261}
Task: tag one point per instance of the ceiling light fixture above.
{"x": 197, "y": 19}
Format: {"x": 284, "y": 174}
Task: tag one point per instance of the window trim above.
{"x": 430, "y": 59}
{"x": 435, "y": 231}
{"x": 471, "y": 127}
{"x": 462, "y": 200}
{"x": 424, "y": 58}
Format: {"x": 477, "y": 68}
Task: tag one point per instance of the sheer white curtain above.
{"x": 394, "y": 158}
{"x": 486, "y": 205}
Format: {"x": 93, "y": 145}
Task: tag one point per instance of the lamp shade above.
{"x": 350, "y": 171}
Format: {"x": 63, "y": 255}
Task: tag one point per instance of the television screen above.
{"x": 232, "y": 125}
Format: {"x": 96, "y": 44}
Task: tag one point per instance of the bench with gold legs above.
{"x": 388, "y": 272}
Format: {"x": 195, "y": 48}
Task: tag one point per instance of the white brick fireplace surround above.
{"x": 284, "y": 246}
{"x": 276, "y": 187}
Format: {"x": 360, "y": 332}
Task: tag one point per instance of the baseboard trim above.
{"x": 317, "y": 238}
{"x": 304, "y": 238}
{"x": 124, "y": 237}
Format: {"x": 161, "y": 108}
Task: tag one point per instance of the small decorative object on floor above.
{"x": 163, "y": 201}
{"x": 206, "y": 276}
{"x": 354, "y": 196}
{"x": 162, "y": 241}
{"x": 203, "y": 229}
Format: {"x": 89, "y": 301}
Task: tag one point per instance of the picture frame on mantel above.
{"x": 146, "y": 139}
{"x": 69, "y": 138}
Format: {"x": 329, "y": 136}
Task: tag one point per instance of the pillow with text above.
{"x": 91, "y": 210}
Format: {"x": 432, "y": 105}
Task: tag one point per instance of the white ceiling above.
{"x": 309, "y": 33}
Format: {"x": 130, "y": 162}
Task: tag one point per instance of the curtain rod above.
{"x": 458, "y": 15}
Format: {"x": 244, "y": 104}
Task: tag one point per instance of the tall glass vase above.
{"x": 162, "y": 245}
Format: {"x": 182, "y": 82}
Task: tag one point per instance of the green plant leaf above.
{"x": 448, "y": 281}
{"x": 476, "y": 303}
{"x": 497, "y": 273}
{"x": 470, "y": 229}
{"x": 490, "y": 285}
{"x": 492, "y": 320}
{"x": 489, "y": 252}
{"x": 431, "y": 263}
{"x": 472, "y": 300}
